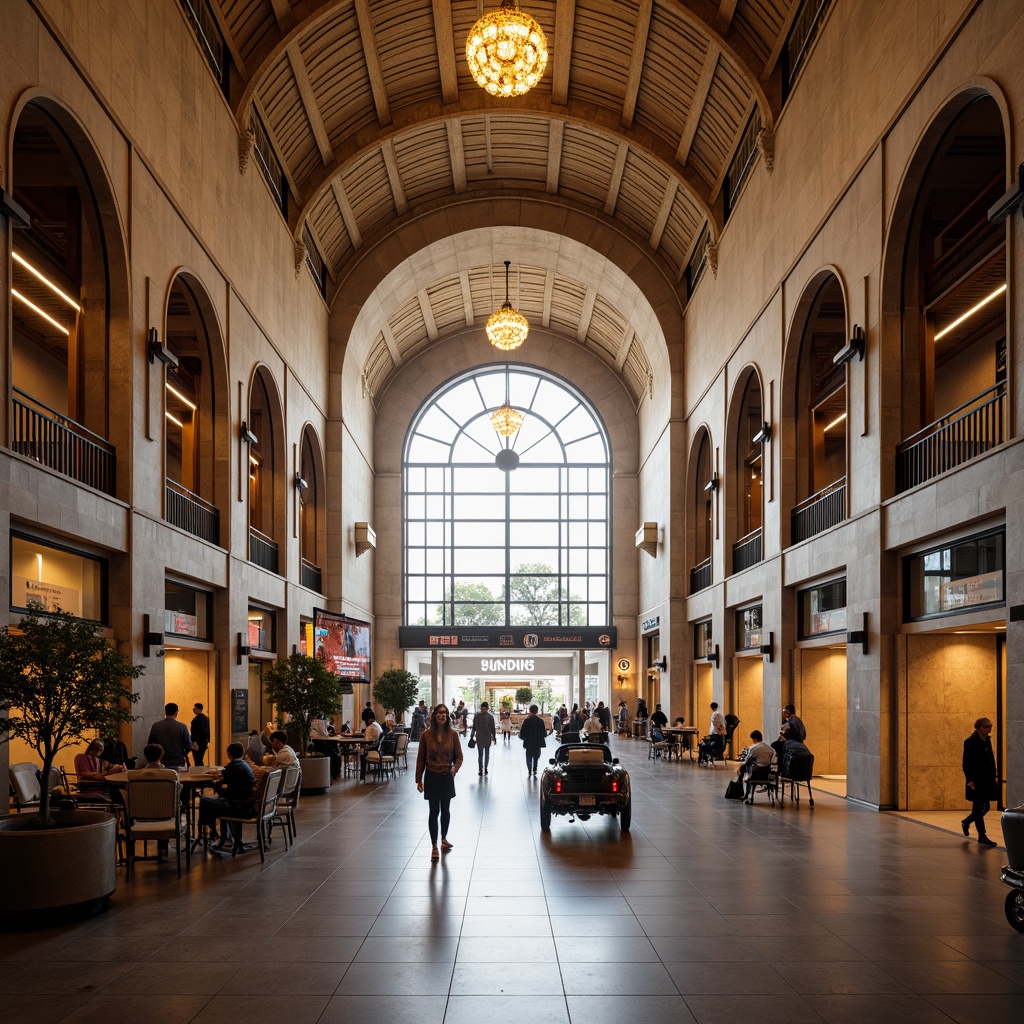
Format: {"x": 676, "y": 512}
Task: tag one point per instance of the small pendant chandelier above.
{"x": 507, "y": 328}
{"x": 506, "y": 51}
{"x": 506, "y": 420}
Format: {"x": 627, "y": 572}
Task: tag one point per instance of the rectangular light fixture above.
{"x": 365, "y": 538}
{"x": 835, "y": 423}
{"x": 174, "y": 419}
{"x": 35, "y": 309}
{"x": 974, "y": 309}
{"x": 178, "y": 395}
{"x": 39, "y": 276}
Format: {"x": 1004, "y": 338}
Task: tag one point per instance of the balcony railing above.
{"x": 191, "y": 513}
{"x": 747, "y": 551}
{"x": 700, "y": 576}
{"x": 262, "y": 550}
{"x": 820, "y": 511}
{"x": 43, "y": 434}
{"x": 310, "y": 576}
{"x": 962, "y": 435}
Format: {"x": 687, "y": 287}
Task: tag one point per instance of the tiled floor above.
{"x": 708, "y": 910}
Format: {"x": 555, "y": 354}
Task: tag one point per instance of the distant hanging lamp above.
{"x": 507, "y": 328}
{"x": 506, "y": 51}
{"x": 506, "y": 420}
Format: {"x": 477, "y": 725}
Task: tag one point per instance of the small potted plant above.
{"x": 303, "y": 688}
{"x": 395, "y": 689}
{"x": 61, "y": 683}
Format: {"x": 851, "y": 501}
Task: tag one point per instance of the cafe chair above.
{"x": 796, "y": 771}
{"x": 25, "y": 789}
{"x": 264, "y": 808}
{"x": 765, "y": 778}
{"x": 659, "y": 745}
{"x": 287, "y": 801}
{"x": 153, "y": 811}
{"x": 381, "y": 759}
{"x": 401, "y": 751}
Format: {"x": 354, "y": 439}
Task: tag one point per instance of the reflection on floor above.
{"x": 707, "y": 910}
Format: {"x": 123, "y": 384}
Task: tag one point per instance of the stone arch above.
{"x": 267, "y": 470}
{"x": 744, "y": 496}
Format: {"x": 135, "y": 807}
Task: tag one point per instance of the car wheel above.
{"x": 626, "y": 815}
{"x": 545, "y": 815}
{"x": 1015, "y": 909}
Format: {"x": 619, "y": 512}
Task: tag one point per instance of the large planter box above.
{"x": 316, "y": 774}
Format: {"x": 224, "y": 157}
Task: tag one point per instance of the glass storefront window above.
{"x": 45, "y": 577}
{"x": 703, "y": 640}
{"x": 822, "y": 609}
{"x": 959, "y": 577}
{"x": 748, "y": 628}
{"x": 261, "y": 629}
{"x": 186, "y": 611}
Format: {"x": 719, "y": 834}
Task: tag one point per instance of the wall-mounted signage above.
{"x": 240, "y": 710}
{"x": 500, "y": 666}
{"x": 648, "y": 624}
{"x": 624, "y": 664}
{"x": 549, "y": 638}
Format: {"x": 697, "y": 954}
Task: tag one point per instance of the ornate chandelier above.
{"x": 506, "y": 420}
{"x": 507, "y": 328}
{"x": 506, "y": 51}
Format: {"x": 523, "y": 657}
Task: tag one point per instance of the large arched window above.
{"x": 507, "y": 528}
{"x": 705, "y": 483}
{"x": 747, "y": 492}
{"x": 263, "y": 483}
{"x": 312, "y": 514}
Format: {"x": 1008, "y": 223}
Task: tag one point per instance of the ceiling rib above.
{"x": 389, "y": 340}
{"x": 372, "y": 57}
{"x": 467, "y": 298}
{"x": 348, "y": 216}
{"x": 636, "y": 61}
{"x": 663, "y": 214}
{"x": 727, "y": 162}
{"x": 428, "y": 314}
{"x": 700, "y": 96}
{"x": 726, "y": 10}
{"x": 394, "y": 177}
{"x": 586, "y": 315}
{"x": 616, "y": 183}
{"x": 457, "y": 153}
{"x": 309, "y": 104}
{"x": 627, "y": 339}
{"x": 549, "y": 290}
{"x": 565, "y": 17}
{"x": 444, "y": 39}
{"x": 554, "y": 155}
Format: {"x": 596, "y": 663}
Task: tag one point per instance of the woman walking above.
{"x": 437, "y": 763}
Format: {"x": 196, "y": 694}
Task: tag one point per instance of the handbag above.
{"x": 734, "y": 791}
{"x": 472, "y": 743}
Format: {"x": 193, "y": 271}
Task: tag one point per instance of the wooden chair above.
{"x": 153, "y": 811}
{"x": 287, "y": 801}
{"x": 265, "y": 807}
{"x": 659, "y": 745}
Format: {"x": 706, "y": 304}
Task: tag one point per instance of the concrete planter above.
{"x": 70, "y": 870}
{"x": 316, "y": 774}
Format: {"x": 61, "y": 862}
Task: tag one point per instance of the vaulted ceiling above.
{"x": 371, "y": 109}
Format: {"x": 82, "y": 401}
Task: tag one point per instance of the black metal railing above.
{"x": 820, "y": 511}
{"x": 191, "y": 513}
{"x": 956, "y": 438}
{"x": 700, "y": 576}
{"x": 798, "y": 43}
{"x": 747, "y": 551}
{"x": 50, "y": 438}
{"x": 262, "y": 550}
{"x": 311, "y": 576}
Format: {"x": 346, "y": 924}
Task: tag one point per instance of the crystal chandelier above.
{"x": 506, "y": 51}
{"x": 507, "y": 328}
{"x": 506, "y": 420}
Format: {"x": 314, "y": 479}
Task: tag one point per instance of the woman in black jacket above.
{"x": 982, "y": 786}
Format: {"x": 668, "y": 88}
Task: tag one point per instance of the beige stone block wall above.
{"x": 950, "y": 682}
{"x": 821, "y": 702}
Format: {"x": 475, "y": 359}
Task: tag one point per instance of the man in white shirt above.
{"x": 373, "y": 732}
{"x": 284, "y": 756}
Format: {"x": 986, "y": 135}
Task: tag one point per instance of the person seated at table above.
{"x": 320, "y": 733}
{"x": 234, "y": 794}
{"x": 152, "y": 762}
{"x": 283, "y": 755}
{"x": 92, "y": 773}
{"x": 346, "y": 729}
{"x": 255, "y": 749}
{"x": 659, "y": 719}
{"x": 758, "y": 756}
{"x": 679, "y": 722}
{"x": 374, "y": 734}
{"x": 115, "y": 752}
{"x": 594, "y": 724}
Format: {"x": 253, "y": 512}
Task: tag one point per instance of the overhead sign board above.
{"x": 543, "y": 638}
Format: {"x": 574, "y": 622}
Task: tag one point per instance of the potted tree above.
{"x": 302, "y": 688}
{"x": 61, "y": 683}
{"x": 395, "y": 689}
{"x": 524, "y": 695}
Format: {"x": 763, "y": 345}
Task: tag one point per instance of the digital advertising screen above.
{"x": 343, "y": 643}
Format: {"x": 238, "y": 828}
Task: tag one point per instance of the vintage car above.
{"x": 584, "y": 779}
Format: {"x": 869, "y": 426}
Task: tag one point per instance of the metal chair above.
{"x": 153, "y": 811}
{"x": 658, "y": 745}
{"x": 25, "y": 789}
{"x": 265, "y": 807}
{"x": 765, "y": 778}
{"x": 287, "y": 801}
{"x": 796, "y": 771}
{"x": 401, "y": 751}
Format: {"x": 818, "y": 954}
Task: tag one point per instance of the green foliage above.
{"x": 61, "y": 683}
{"x": 506, "y": 702}
{"x": 534, "y": 595}
{"x": 302, "y": 688}
{"x": 524, "y": 695}
{"x": 395, "y": 689}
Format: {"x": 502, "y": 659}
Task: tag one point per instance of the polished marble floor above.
{"x": 708, "y": 911}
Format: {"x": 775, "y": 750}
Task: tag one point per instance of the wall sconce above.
{"x": 300, "y": 484}
{"x": 158, "y": 350}
{"x": 365, "y": 538}
{"x": 647, "y": 539}
{"x": 1010, "y": 201}
{"x": 248, "y": 437}
{"x": 19, "y": 215}
{"x": 764, "y": 435}
{"x": 662, "y": 663}
{"x": 854, "y": 347}
{"x": 712, "y": 657}
{"x": 151, "y": 639}
{"x": 860, "y": 636}
{"x": 243, "y": 650}
{"x": 712, "y": 484}
{"x": 768, "y": 649}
